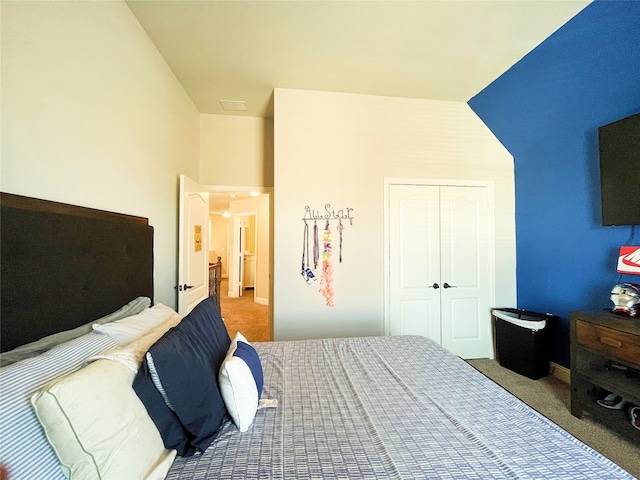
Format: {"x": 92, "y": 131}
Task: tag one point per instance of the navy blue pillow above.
{"x": 171, "y": 430}
{"x": 186, "y": 361}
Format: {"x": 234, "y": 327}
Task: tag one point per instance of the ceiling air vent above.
{"x": 236, "y": 105}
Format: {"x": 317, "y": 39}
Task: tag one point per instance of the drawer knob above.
{"x": 611, "y": 342}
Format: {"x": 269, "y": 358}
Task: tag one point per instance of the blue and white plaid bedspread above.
{"x": 385, "y": 408}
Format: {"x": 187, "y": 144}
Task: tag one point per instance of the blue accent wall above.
{"x": 546, "y": 111}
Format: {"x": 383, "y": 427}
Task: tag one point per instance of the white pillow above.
{"x": 241, "y": 380}
{"x": 98, "y": 426}
{"x": 131, "y": 355}
{"x": 131, "y": 328}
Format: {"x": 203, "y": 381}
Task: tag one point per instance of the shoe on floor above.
{"x": 612, "y": 401}
{"x": 635, "y": 417}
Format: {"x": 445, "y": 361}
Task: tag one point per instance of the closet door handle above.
{"x": 435, "y": 286}
{"x": 446, "y": 285}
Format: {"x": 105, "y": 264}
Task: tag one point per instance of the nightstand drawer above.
{"x": 623, "y": 345}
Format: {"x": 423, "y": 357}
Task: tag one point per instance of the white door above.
{"x": 236, "y": 272}
{"x": 244, "y": 255}
{"x": 465, "y": 271}
{"x": 414, "y": 263}
{"x": 193, "y": 248}
{"x": 439, "y": 275}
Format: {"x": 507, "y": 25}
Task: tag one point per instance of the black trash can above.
{"x": 523, "y": 341}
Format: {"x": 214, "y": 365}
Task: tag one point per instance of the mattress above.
{"x": 389, "y": 407}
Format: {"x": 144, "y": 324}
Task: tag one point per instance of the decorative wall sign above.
{"x": 197, "y": 238}
{"x": 328, "y": 213}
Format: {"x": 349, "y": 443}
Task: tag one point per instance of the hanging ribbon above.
{"x": 305, "y": 271}
{"x": 326, "y": 280}
{"x": 340, "y": 228}
{"x": 316, "y": 246}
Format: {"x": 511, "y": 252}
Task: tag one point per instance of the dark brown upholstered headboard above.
{"x": 63, "y": 266}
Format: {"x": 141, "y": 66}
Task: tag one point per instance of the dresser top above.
{"x": 609, "y": 319}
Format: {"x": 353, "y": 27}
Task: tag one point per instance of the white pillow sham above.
{"x": 98, "y": 426}
{"x": 131, "y": 328}
{"x": 131, "y": 355}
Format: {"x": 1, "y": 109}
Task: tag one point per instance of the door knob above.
{"x": 435, "y": 286}
{"x": 446, "y": 285}
{"x": 183, "y": 287}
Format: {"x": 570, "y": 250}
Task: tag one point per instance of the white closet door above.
{"x": 439, "y": 266}
{"x": 414, "y": 238}
{"x": 465, "y": 271}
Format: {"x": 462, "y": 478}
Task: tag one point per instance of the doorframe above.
{"x": 238, "y": 219}
{"x": 388, "y": 181}
{"x": 263, "y": 191}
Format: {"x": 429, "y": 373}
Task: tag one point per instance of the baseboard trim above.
{"x": 560, "y": 372}
{"x": 262, "y": 301}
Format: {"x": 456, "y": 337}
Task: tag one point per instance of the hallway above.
{"x": 244, "y": 315}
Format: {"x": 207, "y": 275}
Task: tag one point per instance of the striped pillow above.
{"x": 33, "y": 349}
{"x": 20, "y": 432}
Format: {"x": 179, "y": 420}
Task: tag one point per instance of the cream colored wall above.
{"x": 236, "y": 150}
{"x": 93, "y": 116}
{"x": 259, "y": 206}
{"x": 218, "y": 244}
{"x": 333, "y": 148}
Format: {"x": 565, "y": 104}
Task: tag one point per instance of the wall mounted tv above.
{"x": 620, "y": 171}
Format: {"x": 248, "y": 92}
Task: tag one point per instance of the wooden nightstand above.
{"x": 605, "y": 357}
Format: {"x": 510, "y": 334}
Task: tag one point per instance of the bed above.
{"x": 369, "y": 407}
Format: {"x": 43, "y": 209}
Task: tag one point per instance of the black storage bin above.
{"x": 523, "y": 341}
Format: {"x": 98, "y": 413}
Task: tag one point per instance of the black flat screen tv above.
{"x": 620, "y": 171}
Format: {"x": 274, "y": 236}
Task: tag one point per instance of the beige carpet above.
{"x": 242, "y": 314}
{"x": 551, "y": 397}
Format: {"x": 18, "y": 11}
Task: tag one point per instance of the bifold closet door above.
{"x": 439, "y": 270}
{"x": 465, "y": 271}
{"x": 414, "y": 263}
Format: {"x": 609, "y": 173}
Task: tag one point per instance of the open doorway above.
{"x": 240, "y": 235}
{"x": 245, "y": 239}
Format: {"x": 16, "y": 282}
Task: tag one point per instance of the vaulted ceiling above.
{"x": 443, "y": 50}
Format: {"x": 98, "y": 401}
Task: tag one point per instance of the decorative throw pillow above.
{"x": 185, "y": 363}
{"x": 174, "y": 435}
{"x": 241, "y": 381}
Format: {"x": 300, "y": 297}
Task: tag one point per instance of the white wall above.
{"x": 236, "y": 150}
{"x": 338, "y": 148}
{"x": 93, "y": 116}
{"x": 218, "y": 244}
